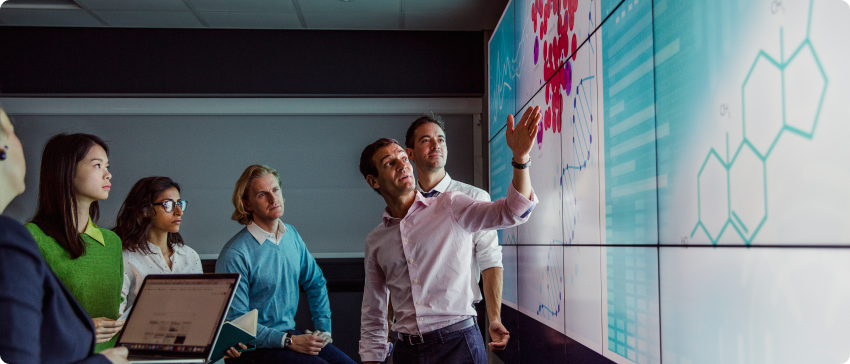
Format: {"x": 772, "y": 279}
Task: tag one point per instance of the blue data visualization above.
{"x": 691, "y": 166}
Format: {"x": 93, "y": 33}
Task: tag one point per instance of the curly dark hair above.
{"x": 136, "y": 214}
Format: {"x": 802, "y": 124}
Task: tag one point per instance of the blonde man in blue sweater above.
{"x": 273, "y": 261}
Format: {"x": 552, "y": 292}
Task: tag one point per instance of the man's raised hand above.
{"x": 520, "y": 136}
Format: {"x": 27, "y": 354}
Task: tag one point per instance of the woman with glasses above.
{"x": 149, "y": 226}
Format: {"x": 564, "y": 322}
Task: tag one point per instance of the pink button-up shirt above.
{"x": 423, "y": 260}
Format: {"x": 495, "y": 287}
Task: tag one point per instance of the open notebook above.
{"x": 241, "y": 330}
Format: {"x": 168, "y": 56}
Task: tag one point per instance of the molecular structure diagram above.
{"x": 582, "y": 131}
{"x": 767, "y": 124}
{"x": 553, "y": 279}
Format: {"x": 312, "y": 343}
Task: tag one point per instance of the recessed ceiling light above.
{"x": 40, "y": 4}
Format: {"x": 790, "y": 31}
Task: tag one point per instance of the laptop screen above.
{"x": 178, "y": 313}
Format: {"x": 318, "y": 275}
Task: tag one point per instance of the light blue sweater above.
{"x": 270, "y": 277}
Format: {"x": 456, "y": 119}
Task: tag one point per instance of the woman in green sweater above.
{"x": 87, "y": 259}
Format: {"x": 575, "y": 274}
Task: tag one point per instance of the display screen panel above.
{"x": 700, "y": 182}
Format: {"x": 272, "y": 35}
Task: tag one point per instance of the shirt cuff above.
{"x": 518, "y": 204}
{"x": 374, "y": 352}
{"x": 283, "y": 340}
{"x": 482, "y": 266}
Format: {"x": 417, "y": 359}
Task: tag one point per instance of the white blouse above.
{"x": 138, "y": 265}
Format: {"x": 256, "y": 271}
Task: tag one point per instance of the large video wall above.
{"x": 693, "y": 171}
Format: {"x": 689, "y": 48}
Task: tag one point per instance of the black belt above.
{"x": 436, "y": 334}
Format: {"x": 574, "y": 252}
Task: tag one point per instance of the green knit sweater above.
{"x": 94, "y": 279}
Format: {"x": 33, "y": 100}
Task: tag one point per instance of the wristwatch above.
{"x": 287, "y": 342}
{"x": 520, "y": 166}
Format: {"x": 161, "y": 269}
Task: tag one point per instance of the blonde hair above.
{"x": 251, "y": 173}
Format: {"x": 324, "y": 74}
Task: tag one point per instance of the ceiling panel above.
{"x": 436, "y": 21}
{"x": 171, "y": 5}
{"x": 284, "y": 6}
{"x": 267, "y": 14}
{"x": 40, "y": 4}
{"x": 363, "y": 21}
{"x": 152, "y": 19}
{"x": 444, "y": 6}
{"x": 251, "y": 20}
{"x": 496, "y": 6}
{"x": 354, "y": 6}
{"x": 48, "y": 18}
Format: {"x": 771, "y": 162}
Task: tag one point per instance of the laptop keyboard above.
{"x": 143, "y": 357}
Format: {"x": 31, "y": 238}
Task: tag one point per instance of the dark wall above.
{"x": 98, "y": 61}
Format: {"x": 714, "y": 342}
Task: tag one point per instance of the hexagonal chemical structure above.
{"x": 713, "y": 194}
{"x": 747, "y": 192}
{"x": 762, "y": 104}
{"x": 805, "y": 86}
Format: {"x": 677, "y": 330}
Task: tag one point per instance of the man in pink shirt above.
{"x": 420, "y": 254}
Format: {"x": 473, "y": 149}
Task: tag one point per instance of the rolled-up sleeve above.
{"x": 373, "y": 312}
{"x": 488, "y": 253}
{"x": 474, "y": 216}
{"x": 518, "y": 204}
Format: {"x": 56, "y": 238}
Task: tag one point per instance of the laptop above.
{"x": 176, "y": 317}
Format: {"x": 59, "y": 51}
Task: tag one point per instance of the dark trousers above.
{"x": 462, "y": 347}
{"x": 329, "y": 355}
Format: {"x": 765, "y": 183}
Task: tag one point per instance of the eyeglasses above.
{"x": 168, "y": 205}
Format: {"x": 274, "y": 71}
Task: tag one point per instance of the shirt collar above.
{"x": 94, "y": 232}
{"x": 440, "y": 187}
{"x": 418, "y": 200}
{"x": 156, "y": 250}
{"x": 261, "y": 235}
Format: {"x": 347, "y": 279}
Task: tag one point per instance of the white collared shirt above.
{"x": 487, "y": 252}
{"x": 261, "y": 235}
{"x": 421, "y": 261}
{"x": 137, "y": 265}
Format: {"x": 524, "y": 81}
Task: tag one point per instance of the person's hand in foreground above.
{"x": 324, "y": 335}
{"x": 233, "y": 353}
{"x": 500, "y": 335}
{"x": 307, "y": 344}
{"x": 105, "y": 329}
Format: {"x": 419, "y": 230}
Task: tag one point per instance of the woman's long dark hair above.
{"x": 57, "y": 202}
{"x": 136, "y": 215}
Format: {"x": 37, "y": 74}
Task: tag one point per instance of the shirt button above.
{"x": 421, "y": 319}
{"x": 405, "y": 240}
{"x": 415, "y": 281}
{"x": 410, "y": 260}
{"x": 418, "y": 302}
{"x": 403, "y": 221}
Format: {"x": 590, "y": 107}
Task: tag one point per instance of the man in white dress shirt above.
{"x": 420, "y": 254}
{"x": 428, "y": 149}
